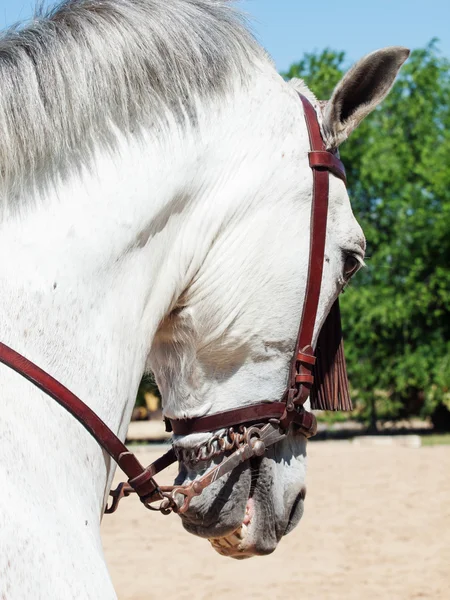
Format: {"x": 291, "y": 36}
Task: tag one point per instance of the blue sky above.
{"x": 288, "y": 28}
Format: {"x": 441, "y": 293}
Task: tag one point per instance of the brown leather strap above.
{"x": 256, "y": 413}
{"x": 321, "y": 161}
{"x": 139, "y": 477}
{"x": 329, "y": 162}
{"x": 68, "y": 400}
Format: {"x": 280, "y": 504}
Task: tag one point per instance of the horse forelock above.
{"x": 75, "y": 76}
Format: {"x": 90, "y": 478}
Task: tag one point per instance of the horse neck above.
{"x": 87, "y": 279}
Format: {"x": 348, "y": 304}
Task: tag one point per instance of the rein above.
{"x": 254, "y": 428}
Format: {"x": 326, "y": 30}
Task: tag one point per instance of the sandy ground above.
{"x": 376, "y": 525}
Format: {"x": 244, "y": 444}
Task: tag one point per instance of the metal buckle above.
{"x": 123, "y": 490}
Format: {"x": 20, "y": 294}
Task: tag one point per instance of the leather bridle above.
{"x": 249, "y": 430}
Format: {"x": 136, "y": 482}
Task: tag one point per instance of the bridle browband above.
{"x": 259, "y": 425}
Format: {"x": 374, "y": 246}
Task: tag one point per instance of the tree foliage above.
{"x": 396, "y": 313}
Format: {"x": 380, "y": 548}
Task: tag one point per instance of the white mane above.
{"x": 74, "y": 76}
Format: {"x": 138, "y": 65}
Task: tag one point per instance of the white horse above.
{"x": 155, "y": 201}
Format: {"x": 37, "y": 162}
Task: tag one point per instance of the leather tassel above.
{"x": 330, "y": 389}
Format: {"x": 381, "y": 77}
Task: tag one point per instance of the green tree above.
{"x": 397, "y": 313}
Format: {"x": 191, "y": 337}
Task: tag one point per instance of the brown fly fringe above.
{"x": 330, "y": 390}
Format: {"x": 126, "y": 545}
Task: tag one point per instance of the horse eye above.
{"x": 351, "y": 265}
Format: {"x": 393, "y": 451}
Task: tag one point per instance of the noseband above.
{"x": 250, "y": 430}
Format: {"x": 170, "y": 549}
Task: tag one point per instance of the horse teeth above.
{"x": 234, "y": 540}
{"x": 242, "y": 531}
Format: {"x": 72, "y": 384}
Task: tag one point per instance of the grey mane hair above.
{"x": 74, "y": 76}
{"x": 300, "y": 86}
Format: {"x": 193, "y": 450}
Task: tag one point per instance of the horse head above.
{"x": 229, "y": 339}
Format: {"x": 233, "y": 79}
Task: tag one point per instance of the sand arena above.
{"x": 376, "y": 525}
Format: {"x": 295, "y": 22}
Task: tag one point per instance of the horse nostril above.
{"x": 296, "y": 511}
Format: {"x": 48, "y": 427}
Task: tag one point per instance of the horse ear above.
{"x": 360, "y": 91}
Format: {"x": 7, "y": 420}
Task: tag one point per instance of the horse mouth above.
{"x": 243, "y": 542}
{"x": 236, "y": 544}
